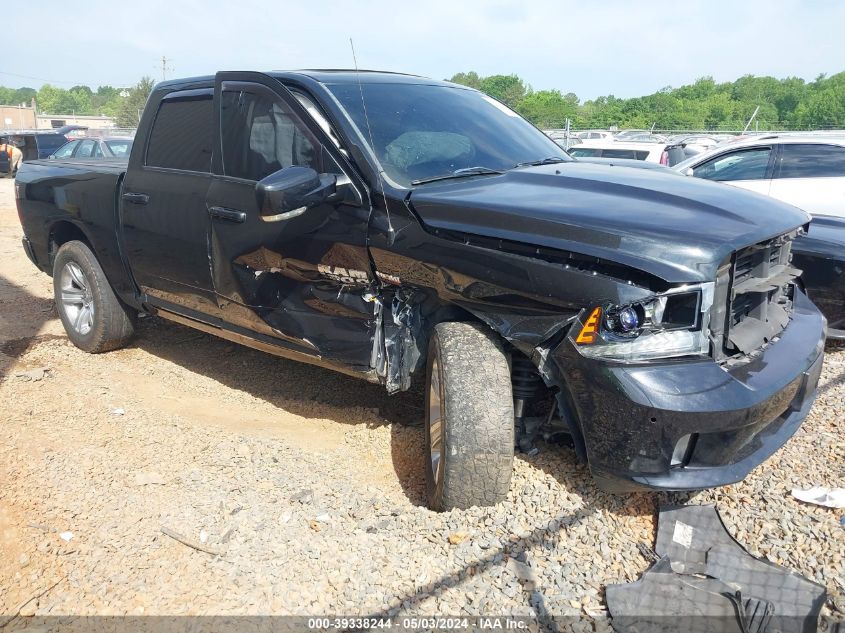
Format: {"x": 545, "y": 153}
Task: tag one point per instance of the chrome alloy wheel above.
{"x": 77, "y": 299}
{"x": 435, "y": 421}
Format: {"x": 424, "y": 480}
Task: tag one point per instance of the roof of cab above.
{"x": 343, "y": 76}
{"x": 326, "y": 76}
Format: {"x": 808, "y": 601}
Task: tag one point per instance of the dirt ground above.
{"x": 308, "y": 488}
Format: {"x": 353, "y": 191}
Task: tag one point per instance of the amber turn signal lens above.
{"x": 588, "y": 332}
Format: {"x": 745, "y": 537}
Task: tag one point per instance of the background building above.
{"x": 17, "y": 117}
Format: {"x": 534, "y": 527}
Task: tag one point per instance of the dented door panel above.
{"x": 300, "y": 279}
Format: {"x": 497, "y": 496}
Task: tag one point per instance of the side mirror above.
{"x": 688, "y": 171}
{"x": 289, "y": 192}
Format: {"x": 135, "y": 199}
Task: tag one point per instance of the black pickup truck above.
{"x": 393, "y": 227}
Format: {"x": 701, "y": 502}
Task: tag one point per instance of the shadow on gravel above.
{"x": 28, "y": 313}
{"x": 307, "y": 391}
{"x": 633, "y": 504}
{"x": 299, "y": 388}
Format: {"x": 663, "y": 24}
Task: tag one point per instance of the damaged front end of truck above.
{"x": 655, "y": 382}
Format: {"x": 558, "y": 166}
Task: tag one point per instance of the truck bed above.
{"x": 77, "y": 195}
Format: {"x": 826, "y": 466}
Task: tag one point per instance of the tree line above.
{"x": 789, "y": 103}
{"x": 123, "y": 104}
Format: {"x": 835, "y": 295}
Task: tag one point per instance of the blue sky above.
{"x": 587, "y": 47}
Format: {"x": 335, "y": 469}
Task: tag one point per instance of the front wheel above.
{"x": 94, "y": 318}
{"x": 468, "y": 418}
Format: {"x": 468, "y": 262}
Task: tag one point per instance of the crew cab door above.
{"x": 298, "y": 278}
{"x": 164, "y": 220}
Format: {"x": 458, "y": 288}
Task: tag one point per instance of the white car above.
{"x": 592, "y": 135}
{"x": 807, "y": 171}
{"x": 634, "y": 150}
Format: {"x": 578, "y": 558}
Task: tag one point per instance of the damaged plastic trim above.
{"x": 398, "y": 343}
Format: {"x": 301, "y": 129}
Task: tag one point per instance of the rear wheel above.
{"x": 94, "y": 318}
{"x": 469, "y": 418}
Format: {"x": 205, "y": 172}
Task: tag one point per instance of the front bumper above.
{"x": 687, "y": 425}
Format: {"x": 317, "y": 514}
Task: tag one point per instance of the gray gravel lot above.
{"x": 308, "y": 486}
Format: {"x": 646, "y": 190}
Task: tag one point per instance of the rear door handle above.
{"x": 136, "y": 198}
{"x": 230, "y": 215}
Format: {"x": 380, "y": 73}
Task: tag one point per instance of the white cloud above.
{"x": 588, "y": 48}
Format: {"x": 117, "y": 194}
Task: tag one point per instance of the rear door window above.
{"x": 182, "y": 133}
{"x": 85, "y": 149}
{"x": 747, "y": 164}
{"x": 805, "y": 160}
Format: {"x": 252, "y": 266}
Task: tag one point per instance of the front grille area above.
{"x": 755, "y": 289}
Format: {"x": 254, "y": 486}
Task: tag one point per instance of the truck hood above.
{"x": 679, "y": 229}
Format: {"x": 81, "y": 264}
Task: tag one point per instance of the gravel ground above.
{"x": 307, "y": 487}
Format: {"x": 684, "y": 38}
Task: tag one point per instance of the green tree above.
{"x": 822, "y": 109}
{"x": 131, "y": 106}
{"x": 509, "y": 89}
{"x": 548, "y": 108}
{"x": 25, "y": 95}
{"x": 52, "y": 100}
{"x": 470, "y": 79}
{"x": 7, "y": 96}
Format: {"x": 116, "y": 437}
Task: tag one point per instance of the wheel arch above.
{"x": 61, "y": 232}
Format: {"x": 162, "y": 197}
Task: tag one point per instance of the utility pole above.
{"x": 747, "y": 125}
{"x": 164, "y": 67}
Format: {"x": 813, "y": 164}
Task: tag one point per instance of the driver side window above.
{"x": 261, "y": 135}
{"x": 749, "y": 164}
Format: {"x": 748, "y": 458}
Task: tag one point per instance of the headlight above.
{"x": 674, "y": 323}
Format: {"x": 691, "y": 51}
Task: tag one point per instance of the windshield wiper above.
{"x": 460, "y": 173}
{"x": 550, "y": 160}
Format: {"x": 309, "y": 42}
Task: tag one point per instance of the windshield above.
{"x": 120, "y": 148}
{"x": 424, "y": 131}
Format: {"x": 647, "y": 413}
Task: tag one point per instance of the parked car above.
{"x": 623, "y": 135}
{"x": 695, "y": 145}
{"x": 628, "y": 162}
{"x": 659, "y": 153}
{"x": 592, "y": 135}
{"x": 391, "y": 227}
{"x": 32, "y": 146}
{"x": 562, "y": 139}
{"x": 645, "y": 137}
{"x": 807, "y": 171}
{"x": 99, "y": 147}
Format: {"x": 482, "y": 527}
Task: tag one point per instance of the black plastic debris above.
{"x": 706, "y": 582}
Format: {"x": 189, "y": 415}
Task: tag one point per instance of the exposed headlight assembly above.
{"x": 673, "y": 323}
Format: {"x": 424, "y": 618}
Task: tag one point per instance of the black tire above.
{"x": 476, "y": 429}
{"x": 110, "y": 324}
